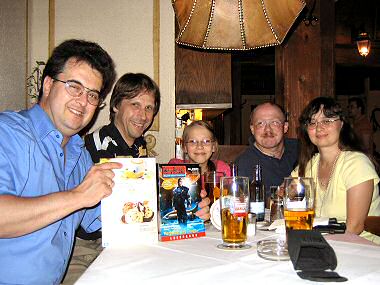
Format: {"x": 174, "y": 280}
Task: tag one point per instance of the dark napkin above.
{"x": 313, "y": 256}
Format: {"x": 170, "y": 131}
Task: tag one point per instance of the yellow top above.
{"x": 352, "y": 168}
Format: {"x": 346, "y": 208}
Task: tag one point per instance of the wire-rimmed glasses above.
{"x": 76, "y": 89}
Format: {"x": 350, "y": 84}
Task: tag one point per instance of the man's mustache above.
{"x": 268, "y": 135}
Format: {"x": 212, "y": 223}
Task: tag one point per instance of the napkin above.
{"x": 312, "y": 256}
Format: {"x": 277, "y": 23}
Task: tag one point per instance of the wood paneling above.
{"x": 305, "y": 64}
{"x": 202, "y": 77}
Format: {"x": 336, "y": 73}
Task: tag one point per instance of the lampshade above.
{"x": 235, "y": 24}
{"x": 363, "y": 42}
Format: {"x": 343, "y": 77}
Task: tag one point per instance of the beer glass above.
{"x": 212, "y": 184}
{"x": 234, "y": 205}
{"x": 299, "y": 203}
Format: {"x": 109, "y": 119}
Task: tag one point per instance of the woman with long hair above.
{"x": 345, "y": 177}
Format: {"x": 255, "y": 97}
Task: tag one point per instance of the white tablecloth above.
{"x": 198, "y": 260}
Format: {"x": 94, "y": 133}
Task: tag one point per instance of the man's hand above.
{"x": 97, "y": 184}
{"x": 204, "y": 212}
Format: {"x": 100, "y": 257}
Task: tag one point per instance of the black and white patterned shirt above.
{"x": 107, "y": 142}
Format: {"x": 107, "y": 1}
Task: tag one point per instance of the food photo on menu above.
{"x": 129, "y": 214}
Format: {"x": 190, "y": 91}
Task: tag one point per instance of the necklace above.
{"x": 323, "y": 184}
{"x": 323, "y": 194}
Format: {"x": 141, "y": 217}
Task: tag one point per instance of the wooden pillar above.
{"x": 305, "y": 65}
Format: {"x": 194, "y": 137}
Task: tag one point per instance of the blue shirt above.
{"x": 274, "y": 169}
{"x": 32, "y": 164}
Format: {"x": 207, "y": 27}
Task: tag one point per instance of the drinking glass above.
{"x": 299, "y": 203}
{"x": 212, "y": 184}
{"x": 273, "y": 194}
{"x": 276, "y": 209}
{"x": 234, "y": 205}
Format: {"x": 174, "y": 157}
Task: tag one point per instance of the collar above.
{"x": 270, "y": 154}
{"x": 43, "y": 125}
{"x": 119, "y": 138}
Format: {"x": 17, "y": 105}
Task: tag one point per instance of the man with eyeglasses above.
{"x": 268, "y": 146}
{"x": 48, "y": 183}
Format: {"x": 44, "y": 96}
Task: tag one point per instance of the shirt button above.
{"x": 57, "y": 136}
{"x": 61, "y": 154}
{"x": 65, "y": 234}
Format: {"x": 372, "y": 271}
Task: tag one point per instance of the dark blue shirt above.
{"x": 274, "y": 170}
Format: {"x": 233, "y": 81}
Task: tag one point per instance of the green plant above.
{"x": 33, "y": 82}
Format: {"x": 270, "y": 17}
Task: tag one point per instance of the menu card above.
{"x": 179, "y": 195}
{"x": 129, "y": 214}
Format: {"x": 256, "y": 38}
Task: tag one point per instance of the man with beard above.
{"x": 268, "y": 147}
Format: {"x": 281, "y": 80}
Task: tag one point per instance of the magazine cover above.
{"x": 129, "y": 214}
{"x": 179, "y": 195}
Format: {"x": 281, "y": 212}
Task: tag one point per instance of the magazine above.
{"x": 129, "y": 214}
{"x": 179, "y": 195}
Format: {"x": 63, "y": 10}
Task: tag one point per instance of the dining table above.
{"x": 200, "y": 261}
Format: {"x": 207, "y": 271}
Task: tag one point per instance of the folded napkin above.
{"x": 312, "y": 256}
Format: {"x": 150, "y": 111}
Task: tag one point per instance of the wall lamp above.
{"x": 363, "y": 42}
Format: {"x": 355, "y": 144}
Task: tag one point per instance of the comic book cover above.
{"x": 129, "y": 214}
{"x": 179, "y": 195}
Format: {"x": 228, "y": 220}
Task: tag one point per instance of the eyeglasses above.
{"x": 194, "y": 143}
{"x": 275, "y": 124}
{"x": 325, "y": 123}
{"x": 76, "y": 89}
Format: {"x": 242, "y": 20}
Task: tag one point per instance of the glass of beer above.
{"x": 212, "y": 184}
{"x": 299, "y": 203}
{"x": 234, "y": 206}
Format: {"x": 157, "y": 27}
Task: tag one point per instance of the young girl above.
{"x": 198, "y": 145}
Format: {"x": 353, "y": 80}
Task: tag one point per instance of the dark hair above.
{"x": 185, "y": 136}
{"x": 131, "y": 85}
{"x": 271, "y": 104}
{"x": 359, "y": 103}
{"x": 331, "y": 109}
{"x": 85, "y": 51}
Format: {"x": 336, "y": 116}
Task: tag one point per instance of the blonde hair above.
{"x": 207, "y": 126}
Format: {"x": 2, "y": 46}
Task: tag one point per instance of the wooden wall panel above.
{"x": 305, "y": 64}
{"x": 202, "y": 77}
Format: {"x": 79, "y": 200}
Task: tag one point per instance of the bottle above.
{"x": 256, "y": 194}
{"x": 233, "y": 168}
